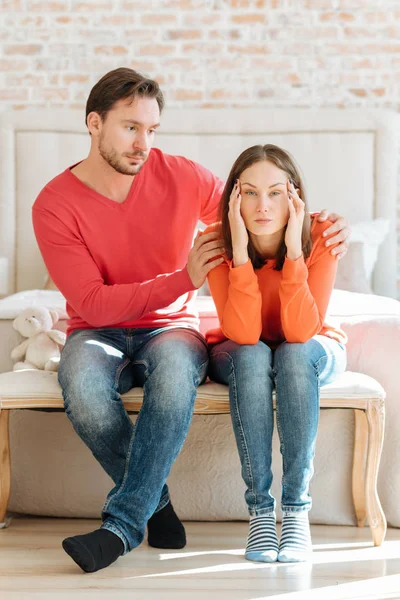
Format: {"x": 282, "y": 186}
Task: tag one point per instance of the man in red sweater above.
{"x": 116, "y": 233}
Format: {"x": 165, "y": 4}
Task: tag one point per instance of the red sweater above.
{"x": 275, "y": 306}
{"x": 124, "y": 265}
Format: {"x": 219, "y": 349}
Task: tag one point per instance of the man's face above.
{"x": 126, "y": 135}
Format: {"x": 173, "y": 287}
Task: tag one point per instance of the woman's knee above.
{"x": 248, "y": 365}
{"x": 294, "y": 358}
{"x": 246, "y": 355}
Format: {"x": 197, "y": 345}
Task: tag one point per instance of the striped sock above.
{"x": 295, "y": 544}
{"x": 262, "y": 543}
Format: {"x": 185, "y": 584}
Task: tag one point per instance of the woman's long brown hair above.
{"x": 283, "y": 160}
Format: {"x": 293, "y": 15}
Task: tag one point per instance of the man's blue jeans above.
{"x": 296, "y": 371}
{"x": 99, "y": 365}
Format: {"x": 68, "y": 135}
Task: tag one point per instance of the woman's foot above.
{"x": 295, "y": 544}
{"x": 262, "y": 543}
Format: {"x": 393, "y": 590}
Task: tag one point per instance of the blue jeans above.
{"x": 296, "y": 371}
{"x": 99, "y": 365}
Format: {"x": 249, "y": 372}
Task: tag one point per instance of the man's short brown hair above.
{"x": 120, "y": 84}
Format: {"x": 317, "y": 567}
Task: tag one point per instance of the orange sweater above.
{"x": 275, "y": 306}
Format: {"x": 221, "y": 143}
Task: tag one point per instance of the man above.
{"x": 115, "y": 232}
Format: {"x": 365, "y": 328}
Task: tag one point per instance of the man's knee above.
{"x": 178, "y": 359}
{"x": 86, "y": 358}
{"x": 87, "y": 381}
{"x": 89, "y": 399}
{"x": 171, "y": 378}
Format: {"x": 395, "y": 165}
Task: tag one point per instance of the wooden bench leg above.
{"x": 359, "y": 455}
{"x": 376, "y": 424}
{"x": 5, "y": 467}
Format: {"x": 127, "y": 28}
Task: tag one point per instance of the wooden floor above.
{"x": 344, "y": 565}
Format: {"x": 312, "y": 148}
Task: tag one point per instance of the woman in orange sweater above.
{"x": 272, "y": 294}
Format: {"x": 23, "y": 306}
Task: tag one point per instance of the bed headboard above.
{"x": 348, "y": 158}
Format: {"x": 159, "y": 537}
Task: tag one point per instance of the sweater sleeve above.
{"x": 237, "y": 297}
{"x": 305, "y": 291}
{"x": 75, "y": 273}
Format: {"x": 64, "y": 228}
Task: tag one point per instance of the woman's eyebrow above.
{"x": 275, "y": 184}
{"x": 254, "y": 186}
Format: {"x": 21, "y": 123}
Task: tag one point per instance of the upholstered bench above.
{"x": 359, "y": 392}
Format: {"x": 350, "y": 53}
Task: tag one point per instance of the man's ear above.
{"x": 94, "y": 123}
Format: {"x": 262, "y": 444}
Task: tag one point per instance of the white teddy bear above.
{"x": 42, "y": 348}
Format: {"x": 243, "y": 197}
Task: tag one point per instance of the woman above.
{"x": 272, "y": 293}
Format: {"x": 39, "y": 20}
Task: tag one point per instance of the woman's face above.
{"x": 264, "y": 205}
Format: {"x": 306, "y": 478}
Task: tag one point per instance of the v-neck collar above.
{"x": 104, "y": 199}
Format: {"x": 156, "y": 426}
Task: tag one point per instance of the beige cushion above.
{"x": 40, "y": 389}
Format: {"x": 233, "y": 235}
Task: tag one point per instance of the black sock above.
{"x": 95, "y": 550}
{"x": 165, "y": 530}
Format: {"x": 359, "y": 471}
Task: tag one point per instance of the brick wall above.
{"x": 287, "y": 53}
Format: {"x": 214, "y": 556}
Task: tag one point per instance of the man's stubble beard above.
{"x": 111, "y": 157}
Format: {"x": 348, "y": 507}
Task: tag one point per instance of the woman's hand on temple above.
{"x": 294, "y": 227}
{"x": 240, "y": 237}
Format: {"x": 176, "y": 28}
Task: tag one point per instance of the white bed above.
{"x": 349, "y": 162}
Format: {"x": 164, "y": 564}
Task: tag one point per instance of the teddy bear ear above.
{"x": 54, "y": 316}
{"x": 15, "y": 324}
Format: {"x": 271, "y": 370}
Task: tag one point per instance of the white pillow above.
{"x": 371, "y": 234}
{"x": 351, "y": 275}
{"x": 12, "y": 306}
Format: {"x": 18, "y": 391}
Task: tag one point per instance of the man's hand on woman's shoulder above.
{"x": 204, "y": 256}
{"x": 341, "y": 227}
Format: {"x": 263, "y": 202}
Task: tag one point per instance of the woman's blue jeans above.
{"x": 99, "y": 365}
{"x": 296, "y": 371}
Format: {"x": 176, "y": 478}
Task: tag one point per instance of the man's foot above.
{"x": 262, "y": 543}
{"x": 94, "y": 551}
{"x": 165, "y": 530}
{"x": 295, "y": 544}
